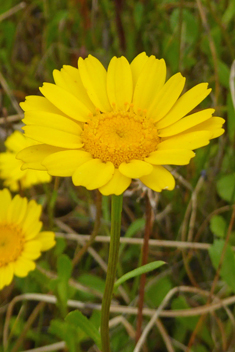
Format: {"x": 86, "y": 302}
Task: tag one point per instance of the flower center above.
{"x": 120, "y": 137}
{"x": 11, "y": 243}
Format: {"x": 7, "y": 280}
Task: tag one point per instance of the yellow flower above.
{"x": 21, "y": 241}
{"x": 105, "y": 128}
{"x": 10, "y": 167}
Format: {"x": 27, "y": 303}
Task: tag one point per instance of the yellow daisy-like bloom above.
{"x": 21, "y": 241}
{"x": 10, "y": 167}
{"x": 105, "y": 128}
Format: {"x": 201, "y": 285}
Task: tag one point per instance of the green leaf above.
{"x": 190, "y": 25}
{"x": 63, "y": 331}
{"x": 60, "y": 285}
{"x": 138, "y": 14}
{"x": 93, "y": 282}
{"x": 64, "y": 267}
{"x": 200, "y": 348}
{"x": 171, "y": 52}
{"x": 95, "y": 318}
{"x": 135, "y": 226}
{"x": 223, "y": 72}
{"x": 136, "y": 272}
{"x": 229, "y": 13}
{"x": 226, "y": 187}
{"x": 218, "y": 226}
{"x": 227, "y": 271}
{"x": 60, "y": 246}
{"x": 158, "y": 289}
{"x": 52, "y": 29}
{"x": 230, "y": 118}
{"x": 189, "y": 323}
{"x": 122, "y": 342}
{"x": 77, "y": 319}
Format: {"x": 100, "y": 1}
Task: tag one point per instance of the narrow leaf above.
{"x": 141, "y": 270}
{"x": 77, "y": 319}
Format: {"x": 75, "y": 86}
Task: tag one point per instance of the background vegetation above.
{"x": 196, "y": 38}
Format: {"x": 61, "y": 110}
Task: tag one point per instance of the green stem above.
{"x": 111, "y": 272}
{"x": 52, "y": 202}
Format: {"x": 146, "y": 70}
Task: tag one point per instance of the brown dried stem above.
{"x": 147, "y": 232}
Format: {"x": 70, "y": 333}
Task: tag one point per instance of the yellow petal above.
{"x": 5, "y": 200}
{"x": 166, "y": 97}
{"x": 186, "y": 123}
{"x": 149, "y": 83}
{"x": 12, "y": 185}
{"x": 53, "y": 137}
{"x": 33, "y": 166}
{"x": 59, "y": 81}
{"x": 66, "y": 162}
{"x": 17, "y": 210}
{"x": 170, "y": 157}
{"x": 117, "y": 185}
{"x": 33, "y": 156}
{"x": 16, "y": 141}
{"x": 6, "y": 275}
{"x": 47, "y": 240}
{"x": 30, "y": 179}
{"x": 119, "y": 83}
{"x": 135, "y": 168}
{"x": 33, "y": 230}
{"x": 23, "y": 266}
{"x": 93, "y": 174}
{"x": 33, "y": 177}
{"x": 31, "y": 220}
{"x": 10, "y": 170}
{"x": 185, "y": 104}
{"x": 159, "y": 179}
{"x": 38, "y": 103}
{"x": 47, "y": 119}
{"x": 189, "y": 141}
{"x": 217, "y": 133}
{"x": 137, "y": 66}
{"x": 213, "y": 125}
{"x": 65, "y": 101}
{"x": 94, "y": 79}
{"x": 69, "y": 79}
{"x": 32, "y": 250}
{"x": 81, "y": 91}
{"x": 2, "y": 278}
{"x": 10, "y": 167}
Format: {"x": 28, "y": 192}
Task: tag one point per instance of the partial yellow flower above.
{"x": 21, "y": 241}
{"x": 105, "y": 128}
{"x": 10, "y": 167}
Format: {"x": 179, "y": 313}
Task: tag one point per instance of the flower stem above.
{"x": 111, "y": 272}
